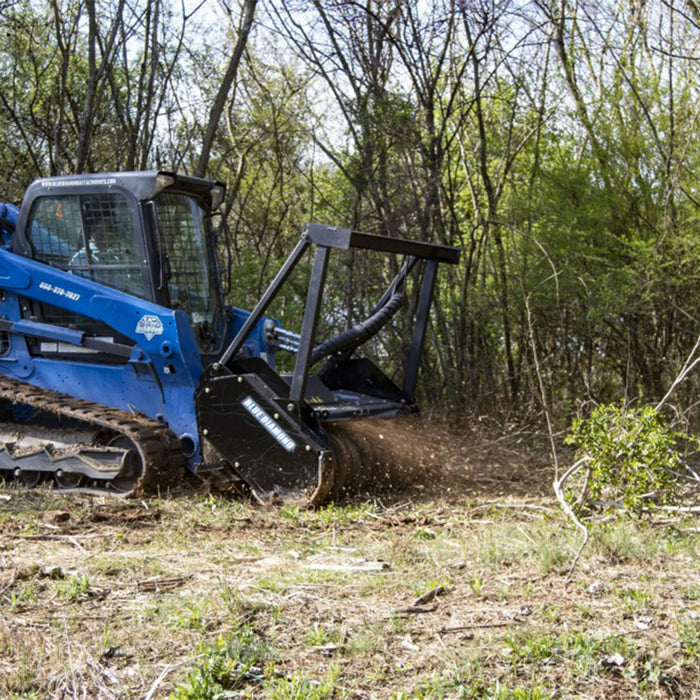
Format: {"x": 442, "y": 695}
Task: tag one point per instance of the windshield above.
{"x": 91, "y": 235}
{"x": 192, "y": 284}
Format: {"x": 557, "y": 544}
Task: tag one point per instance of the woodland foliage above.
{"x": 553, "y": 141}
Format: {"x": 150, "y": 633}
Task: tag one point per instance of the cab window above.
{"x": 91, "y": 235}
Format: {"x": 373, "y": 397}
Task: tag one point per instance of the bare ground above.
{"x": 196, "y": 593}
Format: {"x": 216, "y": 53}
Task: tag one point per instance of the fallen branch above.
{"x": 352, "y": 568}
{"x": 485, "y": 625}
{"x": 518, "y": 506}
{"x": 416, "y": 609}
{"x": 157, "y": 585}
{"x": 64, "y": 538}
{"x": 690, "y": 363}
{"x": 673, "y": 509}
{"x": 14, "y": 620}
{"x": 559, "y": 491}
{"x": 430, "y": 595}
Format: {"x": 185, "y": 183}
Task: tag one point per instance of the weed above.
{"x": 552, "y": 613}
{"x": 364, "y": 643}
{"x": 229, "y": 663}
{"x": 691, "y": 593}
{"x": 302, "y": 577}
{"x": 493, "y": 552}
{"x": 651, "y": 674}
{"x": 634, "y": 600}
{"x": 620, "y": 542}
{"x": 585, "y": 610}
{"x": 19, "y": 680}
{"x": 424, "y": 533}
{"x": 242, "y": 609}
{"x": 552, "y": 555}
{"x": 476, "y": 583}
{"x": 501, "y": 692}
{"x": 404, "y": 552}
{"x": 432, "y": 584}
{"x": 585, "y": 652}
{"x": 76, "y": 589}
{"x": 109, "y": 567}
{"x": 330, "y": 515}
{"x": 438, "y": 687}
{"x": 531, "y": 647}
{"x": 291, "y": 514}
{"x": 317, "y": 636}
{"x": 194, "y": 616}
{"x": 21, "y": 596}
{"x": 297, "y": 687}
{"x": 161, "y": 608}
{"x": 689, "y": 638}
{"x": 272, "y": 584}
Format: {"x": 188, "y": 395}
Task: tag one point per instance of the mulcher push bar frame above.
{"x": 325, "y": 238}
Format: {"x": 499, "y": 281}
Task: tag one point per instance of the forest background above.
{"x": 553, "y": 141}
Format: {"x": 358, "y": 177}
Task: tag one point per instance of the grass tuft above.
{"x": 231, "y": 662}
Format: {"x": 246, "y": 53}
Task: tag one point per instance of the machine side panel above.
{"x": 159, "y": 378}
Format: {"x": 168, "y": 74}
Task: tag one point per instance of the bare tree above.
{"x": 217, "y": 108}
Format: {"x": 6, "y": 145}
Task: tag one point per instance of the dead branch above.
{"x": 558, "y": 490}
{"x": 485, "y": 625}
{"x": 417, "y": 609}
{"x": 157, "y": 585}
{"x": 430, "y": 595}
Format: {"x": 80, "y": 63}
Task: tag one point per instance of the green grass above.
{"x": 689, "y": 638}
{"x": 298, "y": 687}
{"x": 21, "y": 596}
{"x": 331, "y": 515}
{"x": 634, "y": 600}
{"x": 252, "y": 618}
{"x": 231, "y": 662}
{"x": 76, "y": 589}
{"x": 585, "y": 652}
{"x": 691, "y": 594}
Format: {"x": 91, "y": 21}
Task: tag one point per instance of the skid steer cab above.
{"x": 122, "y": 364}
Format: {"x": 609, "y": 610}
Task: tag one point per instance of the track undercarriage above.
{"x": 81, "y": 446}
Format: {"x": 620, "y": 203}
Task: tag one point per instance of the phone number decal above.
{"x": 59, "y": 291}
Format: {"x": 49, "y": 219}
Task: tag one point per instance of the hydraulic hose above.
{"x": 361, "y": 333}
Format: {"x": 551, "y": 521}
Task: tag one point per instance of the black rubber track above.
{"x": 162, "y": 461}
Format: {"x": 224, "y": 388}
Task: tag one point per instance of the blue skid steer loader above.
{"x": 121, "y": 365}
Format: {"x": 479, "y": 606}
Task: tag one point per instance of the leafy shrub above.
{"x": 634, "y": 456}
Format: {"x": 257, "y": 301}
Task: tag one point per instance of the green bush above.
{"x": 634, "y": 455}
